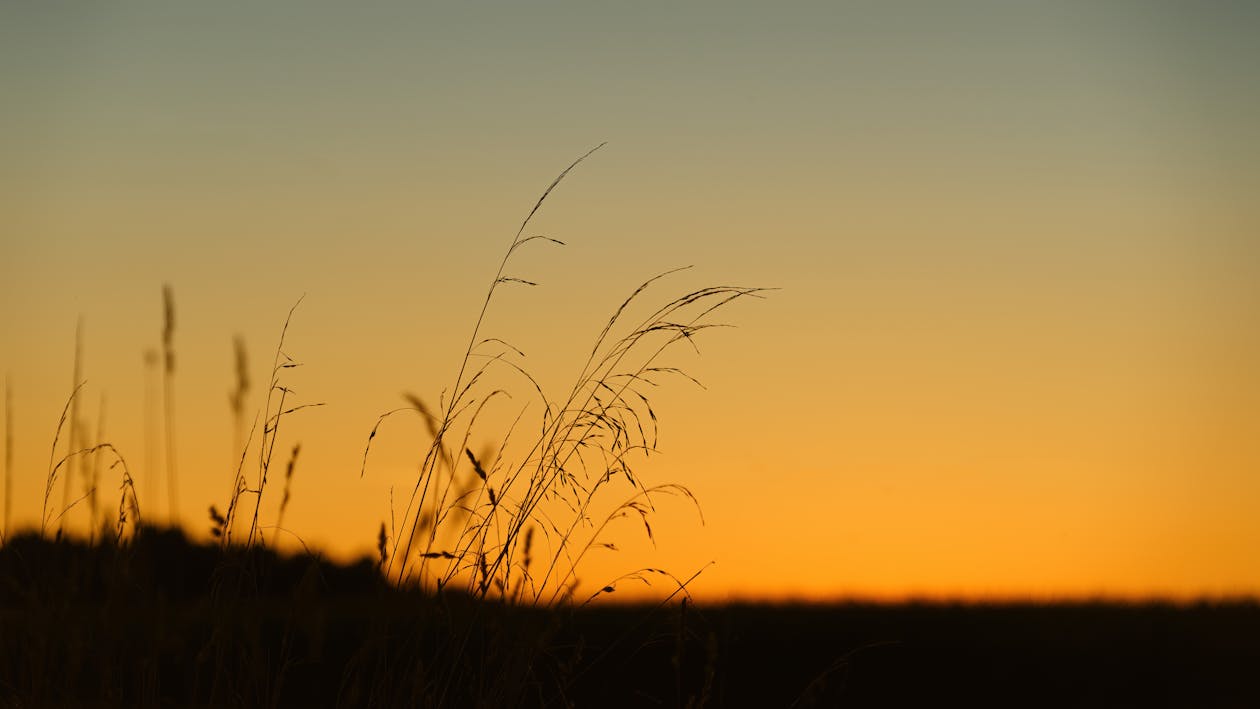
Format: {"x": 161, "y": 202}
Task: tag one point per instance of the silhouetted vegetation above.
{"x": 162, "y": 621}
{"x": 473, "y": 597}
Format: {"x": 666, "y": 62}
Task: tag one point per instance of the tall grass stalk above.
{"x": 168, "y": 399}
{"x": 51, "y": 480}
{"x": 274, "y": 412}
{"x": 288, "y": 481}
{"x": 239, "y": 394}
{"x": 92, "y": 480}
{"x": 75, "y": 427}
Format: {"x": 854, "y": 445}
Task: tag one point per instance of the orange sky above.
{"x": 1014, "y": 350}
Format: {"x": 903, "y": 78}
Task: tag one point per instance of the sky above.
{"x": 1012, "y": 351}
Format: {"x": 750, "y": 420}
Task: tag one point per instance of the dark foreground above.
{"x": 163, "y": 622}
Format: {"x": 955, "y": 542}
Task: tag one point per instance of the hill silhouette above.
{"x": 164, "y": 621}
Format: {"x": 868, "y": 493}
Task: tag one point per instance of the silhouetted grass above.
{"x": 473, "y": 598}
{"x": 562, "y": 475}
{"x": 489, "y": 541}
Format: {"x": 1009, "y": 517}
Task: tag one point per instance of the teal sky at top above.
{"x": 802, "y": 98}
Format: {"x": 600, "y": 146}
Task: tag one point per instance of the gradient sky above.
{"x": 1015, "y": 350}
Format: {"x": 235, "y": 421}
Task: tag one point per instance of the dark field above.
{"x": 163, "y": 622}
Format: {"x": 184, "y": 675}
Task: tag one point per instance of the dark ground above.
{"x": 163, "y": 622}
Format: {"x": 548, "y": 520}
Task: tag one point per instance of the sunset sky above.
{"x": 1016, "y": 345}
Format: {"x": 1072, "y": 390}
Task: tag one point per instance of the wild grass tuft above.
{"x": 466, "y": 517}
